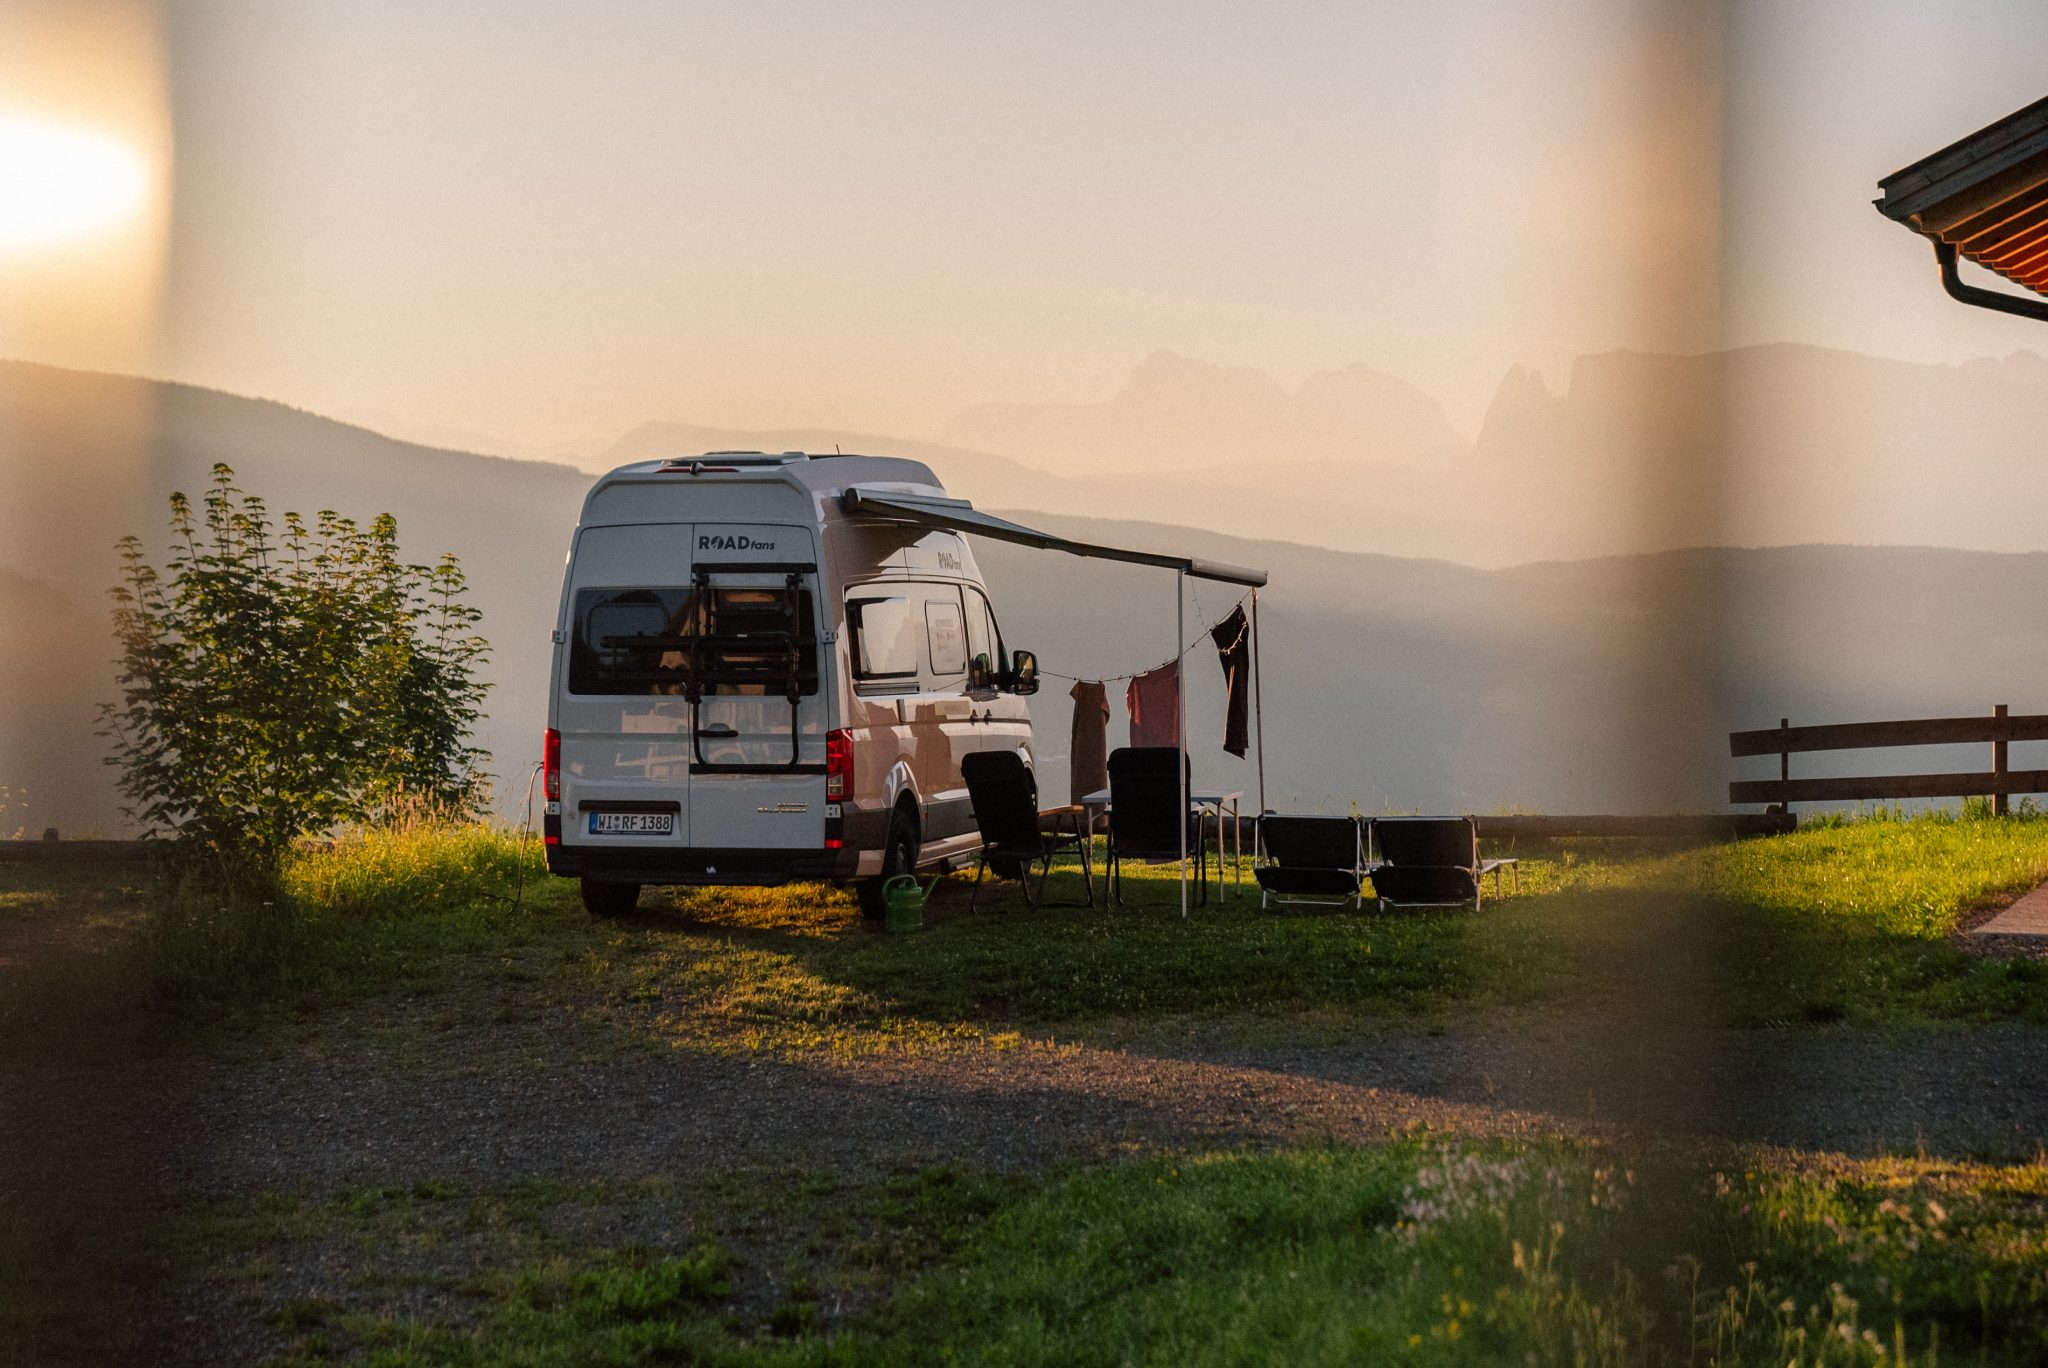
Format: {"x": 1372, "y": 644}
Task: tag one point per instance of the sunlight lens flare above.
{"x": 61, "y": 183}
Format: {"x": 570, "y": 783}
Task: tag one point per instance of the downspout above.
{"x": 1945, "y": 253}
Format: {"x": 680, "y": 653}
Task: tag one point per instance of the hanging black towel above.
{"x": 1233, "y": 647}
{"x": 1088, "y": 756}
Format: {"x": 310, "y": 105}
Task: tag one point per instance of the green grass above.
{"x": 1454, "y": 1255}
{"x": 1837, "y": 923}
{"x": 366, "y": 912}
{"x": 1888, "y": 877}
{"x": 1852, "y": 922}
{"x": 1415, "y": 1252}
{"x": 134, "y": 952}
{"x": 1843, "y": 923}
{"x": 797, "y": 970}
{"x": 653, "y": 1269}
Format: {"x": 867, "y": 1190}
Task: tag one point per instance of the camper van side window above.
{"x": 885, "y": 633}
{"x": 948, "y": 642}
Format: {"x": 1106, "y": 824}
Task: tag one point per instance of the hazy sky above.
{"x": 552, "y": 221}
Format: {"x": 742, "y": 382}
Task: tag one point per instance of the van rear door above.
{"x": 758, "y": 696}
{"x": 624, "y": 722}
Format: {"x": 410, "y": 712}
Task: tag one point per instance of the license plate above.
{"x": 632, "y": 823}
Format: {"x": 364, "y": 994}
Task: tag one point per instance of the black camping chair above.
{"x": 1318, "y": 860}
{"x": 1144, "y": 798}
{"x": 1014, "y": 834}
{"x": 1432, "y": 862}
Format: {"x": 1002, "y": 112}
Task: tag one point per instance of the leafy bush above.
{"x": 275, "y": 687}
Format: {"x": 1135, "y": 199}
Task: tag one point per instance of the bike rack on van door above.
{"x": 786, "y": 672}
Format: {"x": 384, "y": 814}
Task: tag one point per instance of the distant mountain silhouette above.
{"x": 1397, "y": 682}
{"x": 1820, "y": 446}
{"x": 1178, "y": 415}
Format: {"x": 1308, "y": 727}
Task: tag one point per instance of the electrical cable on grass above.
{"x": 525, "y": 830}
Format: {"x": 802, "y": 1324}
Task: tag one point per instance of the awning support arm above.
{"x": 1945, "y": 253}
{"x": 1180, "y": 724}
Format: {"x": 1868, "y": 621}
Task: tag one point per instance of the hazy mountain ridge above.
{"x": 1762, "y": 445}
{"x": 1176, "y": 413}
{"x": 1397, "y": 682}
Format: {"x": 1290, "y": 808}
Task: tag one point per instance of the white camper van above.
{"x": 754, "y": 685}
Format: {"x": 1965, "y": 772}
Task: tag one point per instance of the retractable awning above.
{"x": 1984, "y": 197}
{"x": 958, "y": 515}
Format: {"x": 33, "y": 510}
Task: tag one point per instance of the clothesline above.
{"x": 1200, "y": 636}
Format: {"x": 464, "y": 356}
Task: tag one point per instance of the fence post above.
{"x": 1998, "y": 761}
{"x": 1784, "y": 761}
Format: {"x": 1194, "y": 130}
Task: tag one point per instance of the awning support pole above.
{"x": 1180, "y": 716}
{"x": 1258, "y": 706}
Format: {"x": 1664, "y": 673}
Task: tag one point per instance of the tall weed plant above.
{"x": 358, "y": 903}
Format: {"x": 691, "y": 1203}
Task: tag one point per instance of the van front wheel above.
{"x": 899, "y": 856}
{"x": 602, "y": 899}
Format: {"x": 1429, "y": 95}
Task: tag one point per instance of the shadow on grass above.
{"x": 1676, "y": 941}
{"x": 749, "y": 957}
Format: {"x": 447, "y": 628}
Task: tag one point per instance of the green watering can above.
{"x": 903, "y": 898}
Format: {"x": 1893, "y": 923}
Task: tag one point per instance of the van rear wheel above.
{"x": 605, "y": 899}
{"x": 899, "y": 856}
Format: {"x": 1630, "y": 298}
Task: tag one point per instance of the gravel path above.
{"x": 225, "y": 1128}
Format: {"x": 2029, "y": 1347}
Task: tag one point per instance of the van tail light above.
{"x": 551, "y": 766}
{"x": 838, "y": 765}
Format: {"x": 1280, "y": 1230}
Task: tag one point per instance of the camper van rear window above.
{"x": 733, "y": 642}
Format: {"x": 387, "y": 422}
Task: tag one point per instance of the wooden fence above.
{"x": 1997, "y": 730}
{"x": 72, "y": 852}
{"x": 1688, "y": 826}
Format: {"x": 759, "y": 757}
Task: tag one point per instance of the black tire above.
{"x": 899, "y": 856}
{"x": 602, "y": 899}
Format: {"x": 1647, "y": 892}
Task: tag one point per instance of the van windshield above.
{"x": 735, "y": 642}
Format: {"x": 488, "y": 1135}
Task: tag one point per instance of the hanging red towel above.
{"x": 1154, "y": 701}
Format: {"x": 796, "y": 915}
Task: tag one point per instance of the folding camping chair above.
{"x": 1321, "y": 860}
{"x": 1004, "y": 794}
{"x": 1432, "y": 862}
{"x": 1145, "y": 788}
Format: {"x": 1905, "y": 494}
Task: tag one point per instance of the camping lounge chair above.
{"x": 1014, "y": 833}
{"x": 1311, "y": 860}
{"x": 1144, "y": 798}
{"x": 1432, "y": 862}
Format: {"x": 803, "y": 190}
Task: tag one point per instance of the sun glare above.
{"x": 61, "y": 184}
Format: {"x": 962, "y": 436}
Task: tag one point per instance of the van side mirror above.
{"x": 1023, "y": 672}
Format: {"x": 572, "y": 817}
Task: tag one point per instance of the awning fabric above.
{"x": 1986, "y": 196}
{"x": 958, "y": 515}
